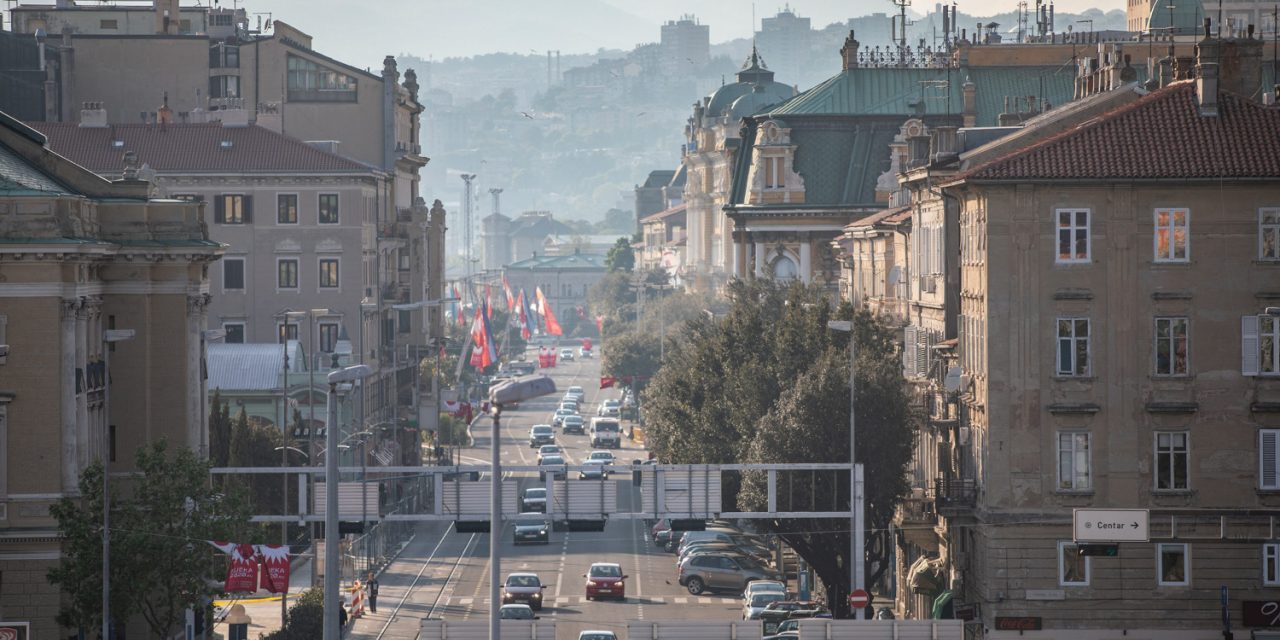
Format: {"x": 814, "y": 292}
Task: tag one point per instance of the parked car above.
{"x": 540, "y": 434}
{"x": 605, "y": 579}
{"x": 522, "y": 368}
{"x": 573, "y": 424}
{"x": 761, "y": 586}
{"x": 523, "y": 588}
{"x": 753, "y": 605}
{"x": 534, "y": 499}
{"x": 788, "y": 609}
{"x": 721, "y": 571}
{"x": 722, "y": 547}
{"x": 516, "y": 612}
{"x": 555, "y": 466}
{"x": 782, "y": 630}
{"x": 566, "y": 355}
{"x": 549, "y": 450}
{"x": 532, "y": 527}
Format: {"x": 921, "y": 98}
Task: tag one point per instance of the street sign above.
{"x": 859, "y": 599}
{"x": 1111, "y": 525}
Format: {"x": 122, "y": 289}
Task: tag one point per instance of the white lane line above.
{"x": 564, "y": 552}
{"x": 727, "y": 601}
{"x": 465, "y": 601}
{"x": 681, "y": 600}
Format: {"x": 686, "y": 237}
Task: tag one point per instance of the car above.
{"x": 721, "y": 571}
{"x": 534, "y": 499}
{"x": 569, "y": 405}
{"x": 606, "y": 432}
{"x": 555, "y": 466}
{"x": 789, "y": 609}
{"x": 573, "y": 424}
{"x": 605, "y": 580}
{"x": 761, "y": 586}
{"x": 540, "y": 434}
{"x": 532, "y": 527}
{"x": 722, "y": 547}
{"x": 516, "y": 612}
{"x": 596, "y": 634}
{"x": 609, "y": 409}
{"x": 577, "y": 392}
{"x": 523, "y": 588}
{"x": 593, "y": 470}
{"x": 566, "y": 355}
{"x": 549, "y": 450}
{"x": 752, "y": 606}
{"x": 788, "y": 629}
{"x": 557, "y": 418}
{"x": 885, "y": 613}
{"x": 585, "y": 353}
{"x": 605, "y": 456}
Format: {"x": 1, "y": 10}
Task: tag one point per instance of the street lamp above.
{"x": 109, "y": 338}
{"x": 350, "y": 374}
{"x": 856, "y": 499}
{"x": 312, "y": 315}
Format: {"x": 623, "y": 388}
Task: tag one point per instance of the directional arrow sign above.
{"x": 1111, "y": 525}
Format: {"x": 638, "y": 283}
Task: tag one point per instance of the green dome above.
{"x": 760, "y": 97}
{"x": 754, "y": 73}
{"x": 1186, "y": 17}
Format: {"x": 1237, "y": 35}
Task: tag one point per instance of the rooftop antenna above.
{"x": 1022, "y": 20}
{"x": 902, "y": 22}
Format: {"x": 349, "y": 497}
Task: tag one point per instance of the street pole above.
{"x": 495, "y": 528}
{"x": 284, "y": 462}
{"x": 332, "y": 570}
{"x": 857, "y": 571}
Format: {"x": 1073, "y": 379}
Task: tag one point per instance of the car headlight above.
{"x": 537, "y": 596}
{"x": 620, "y": 584}
{"x": 542, "y": 531}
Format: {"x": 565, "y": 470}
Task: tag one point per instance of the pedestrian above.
{"x": 342, "y": 615}
{"x": 372, "y": 585}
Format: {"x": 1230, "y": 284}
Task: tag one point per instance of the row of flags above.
{"x": 530, "y": 315}
{"x": 243, "y": 570}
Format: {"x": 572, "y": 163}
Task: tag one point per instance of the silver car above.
{"x": 752, "y": 607}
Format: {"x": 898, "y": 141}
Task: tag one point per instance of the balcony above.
{"x": 392, "y": 231}
{"x": 395, "y": 294}
{"x": 955, "y": 496}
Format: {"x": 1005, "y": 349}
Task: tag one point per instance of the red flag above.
{"x": 553, "y": 325}
{"x": 607, "y": 381}
{"x": 600, "y": 325}
{"x": 275, "y": 567}
{"x": 242, "y": 571}
{"x": 522, "y": 310}
{"x": 488, "y": 301}
{"x": 506, "y": 289}
{"x": 485, "y": 352}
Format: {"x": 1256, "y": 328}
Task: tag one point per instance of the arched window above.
{"x": 784, "y": 268}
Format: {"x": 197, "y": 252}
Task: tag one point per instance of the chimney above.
{"x": 970, "y": 92}
{"x": 1207, "y": 89}
{"x": 232, "y": 113}
{"x": 167, "y": 18}
{"x": 93, "y": 115}
{"x": 849, "y": 52}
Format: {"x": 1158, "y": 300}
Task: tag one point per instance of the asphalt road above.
{"x": 444, "y": 574}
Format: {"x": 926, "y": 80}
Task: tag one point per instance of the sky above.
{"x": 362, "y": 32}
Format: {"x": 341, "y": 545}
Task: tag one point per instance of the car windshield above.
{"x": 522, "y": 581}
{"x": 563, "y": 412}
{"x": 597, "y": 636}
{"x": 552, "y": 460}
{"x": 542, "y": 430}
{"x": 549, "y": 448}
{"x": 606, "y": 571}
{"x": 767, "y": 586}
{"x": 607, "y": 426}
{"x": 601, "y": 455}
{"x": 575, "y": 389}
{"x": 763, "y": 599}
{"x": 521, "y": 612}
{"x": 529, "y": 523}
{"x": 535, "y": 493}
{"x": 573, "y": 419}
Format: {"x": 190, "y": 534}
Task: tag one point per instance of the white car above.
{"x": 604, "y": 457}
{"x": 577, "y": 392}
{"x": 760, "y": 586}
{"x": 558, "y": 417}
{"x": 609, "y": 409}
{"x": 596, "y": 634}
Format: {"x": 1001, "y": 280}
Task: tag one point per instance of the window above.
{"x": 773, "y": 172}
{"x": 1073, "y": 568}
{"x": 224, "y": 55}
{"x": 1171, "y": 346}
{"x": 1260, "y": 345}
{"x": 404, "y": 321}
{"x": 287, "y": 331}
{"x": 287, "y": 273}
{"x": 1269, "y": 234}
{"x": 224, "y": 86}
{"x": 1173, "y": 566}
{"x": 233, "y": 274}
{"x": 1073, "y": 346}
{"x": 328, "y": 336}
{"x": 108, "y": 24}
{"x": 1269, "y": 459}
{"x": 1271, "y": 564}
{"x": 1073, "y": 235}
{"x": 1172, "y": 240}
{"x": 1073, "y": 461}
{"x": 188, "y": 197}
{"x": 328, "y": 208}
{"x": 287, "y": 208}
{"x": 310, "y": 82}
{"x": 233, "y": 209}
{"x": 402, "y": 258}
{"x": 235, "y": 332}
{"x": 328, "y": 273}
{"x": 1172, "y": 462}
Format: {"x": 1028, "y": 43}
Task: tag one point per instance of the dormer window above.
{"x": 117, "y": 144}
{"x": 774, "y": 173}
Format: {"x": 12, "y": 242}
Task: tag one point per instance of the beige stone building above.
{"x": 1112, "y": 297}
{"x": 80, "y": 256}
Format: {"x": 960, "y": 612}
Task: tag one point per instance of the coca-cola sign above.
{"x": 1018, "y": 623}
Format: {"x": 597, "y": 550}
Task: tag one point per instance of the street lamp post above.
{"x": 109, "y": 338}
{"x": 856, "y": 499}
{"x": 332, "y": 601}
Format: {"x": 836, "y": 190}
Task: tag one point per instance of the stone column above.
{"x": 197, "y": 398}
{"x": 806, "y": 262}
{"x": 758, "y": 254}
{"x": 72, "y": 423}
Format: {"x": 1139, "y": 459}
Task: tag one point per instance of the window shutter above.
{"x": 219, "y": 210}
{"x": 247, "y": 209}
{"x": 909, "y": 351}
{"x": 1269, "y": 453}
{"x": 922, "y": 352}
{"x": 1249, "y": 348}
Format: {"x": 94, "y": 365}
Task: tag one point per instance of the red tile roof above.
{"x": 1161, "y": 136}
{"x": 654, "y": 217}
{"x": 193, "y": 148}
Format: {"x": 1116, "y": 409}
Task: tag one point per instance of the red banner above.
{"x": 242, "y": 572}
{"x": 607, "y": 381}
{"x": 275, "y": 567}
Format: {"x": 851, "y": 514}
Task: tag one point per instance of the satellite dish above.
{"x": 952, "y": 381}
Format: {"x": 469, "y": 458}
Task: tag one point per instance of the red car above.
{"x": 606, "y": 580}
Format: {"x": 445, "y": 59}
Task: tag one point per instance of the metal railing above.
{"x": 955, "y": 493}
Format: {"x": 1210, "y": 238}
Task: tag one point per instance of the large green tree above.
{"x": 160, "y": 520}
{"x": 769, "y": 382}
{"x": 254, "y": 445}
{"x": 219, "y": 430}
{"x": 621, "y": 257}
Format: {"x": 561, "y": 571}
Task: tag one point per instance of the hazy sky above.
{"x": 361, "y": 32}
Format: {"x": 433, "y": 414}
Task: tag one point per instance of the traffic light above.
{"x": 1104, "y": 550}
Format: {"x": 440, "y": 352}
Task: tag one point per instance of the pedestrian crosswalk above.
{"x": 565, "y": 601}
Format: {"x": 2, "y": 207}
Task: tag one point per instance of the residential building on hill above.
{"x": 94, "y": 304}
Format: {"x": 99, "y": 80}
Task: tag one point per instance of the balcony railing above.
{"x": 917, "y": 509}
{"x": 953, "y": 494}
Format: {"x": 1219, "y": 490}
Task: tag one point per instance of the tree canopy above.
{"x": 769, "y": 382}
{"x": 620, "y": 257}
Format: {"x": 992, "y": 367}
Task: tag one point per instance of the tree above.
{"x": 160, "y": 521}
{"x": 768, "y": 383}
{"x": 612, "y": 298}
{"x": 620, "y": 257}
{"x": 253, "y": 445}
{"x": 630, "y": 354}
{"x": 219, "y": 430}
{"x": 305, "y": 618}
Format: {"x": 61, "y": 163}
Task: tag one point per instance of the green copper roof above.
{"x": 19, "y": 177}
{"x": 581, "y": 261}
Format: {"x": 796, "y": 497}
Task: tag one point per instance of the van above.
{"x": 606, "y": 433}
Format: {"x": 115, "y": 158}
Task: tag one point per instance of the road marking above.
{"x": 564, "y": 552}
{"x": 727, "y": 601}
{"x": 681, "y": 600}
{"x": 465, "y": 601}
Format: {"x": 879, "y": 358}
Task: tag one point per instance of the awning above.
{"x": 942, "y": 609}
